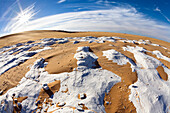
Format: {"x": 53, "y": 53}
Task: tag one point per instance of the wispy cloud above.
{"x": 158, "y": 10}
{"x": 61, "y": 1}
{"x": 105, "y": 2}
{"x": 117, "y": 19}
{"x": 10, "y": 8}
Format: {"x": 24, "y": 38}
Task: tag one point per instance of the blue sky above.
{"x": 141, "y": 17}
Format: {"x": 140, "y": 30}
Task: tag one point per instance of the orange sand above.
{"x": 60, "y": 59}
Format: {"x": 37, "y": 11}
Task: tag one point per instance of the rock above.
{"x": 75, "y": 42}
{"x": 61, "y": 104}
{"x": 79, "y": 108}
{"x": 82, "y": 96}
{"x": 107, "y": 102}
{"x": 45, "y": 87}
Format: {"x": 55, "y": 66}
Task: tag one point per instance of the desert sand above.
{"x": 61, "y": 59}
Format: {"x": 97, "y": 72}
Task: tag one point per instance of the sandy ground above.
{"x": 162, "y": 74}
{"x": 34, "y": 35}
{"x": 61, "y": 59}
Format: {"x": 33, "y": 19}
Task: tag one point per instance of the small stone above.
{"x": 82, "y": 96}
{"x": 13, "y": 94}
{"x": 79, "y": 108}
{"x": 61, "y": 104}
{"x": 75, "y": 42}
{"x": 107, "y": 102}
{"x": 134, "y": 86}
{"x": 30, "y": 41}
{"x": 45, "y": 87}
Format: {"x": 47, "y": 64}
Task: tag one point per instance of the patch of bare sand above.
{"x": 61, "y": 59}
{"x": 162, "y": 73}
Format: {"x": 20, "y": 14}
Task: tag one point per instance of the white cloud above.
{"x": 99, "y": 1}
{"x": 117, "y": 19}
{"x": 157, "y": 9}
{"x": 61, "y": 1}
{"x": 105, "y": 2}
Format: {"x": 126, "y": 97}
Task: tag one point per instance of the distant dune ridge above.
{"x": 92, "y": 72}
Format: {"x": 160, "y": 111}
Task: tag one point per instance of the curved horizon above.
{"x": 90, "y": 15}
